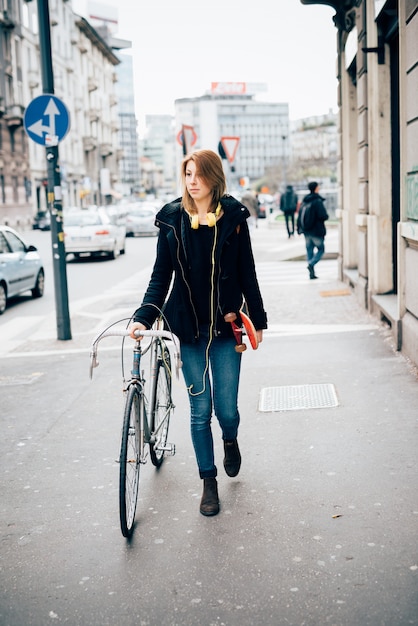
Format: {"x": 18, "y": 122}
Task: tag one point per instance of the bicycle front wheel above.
{"x": 129, "y": 460}
{"x": 162, "y": 405}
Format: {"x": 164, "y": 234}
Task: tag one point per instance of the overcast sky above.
{"x": 181, "y": 46}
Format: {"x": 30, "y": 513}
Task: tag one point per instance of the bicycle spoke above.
{"x": 161, "y": 407}
{"x": 130, "y": 461}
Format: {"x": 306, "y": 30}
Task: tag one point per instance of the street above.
{"x": 319, "y": 527}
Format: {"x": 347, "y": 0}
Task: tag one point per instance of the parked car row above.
{"x": 94, "y": 231}
{"x": 21, "y": 267}
{"x": 42, "y": 221}
{"x": 140, "y": 219}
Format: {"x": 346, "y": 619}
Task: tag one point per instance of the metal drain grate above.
{"x": 296, "y": 397}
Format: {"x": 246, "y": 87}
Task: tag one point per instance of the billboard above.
{"x": 228, "y": 89}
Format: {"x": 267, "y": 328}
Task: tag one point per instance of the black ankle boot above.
{"x": 311, "y": 272}
{"x": 209, "y": 504}
{"x": 232, "y": 460}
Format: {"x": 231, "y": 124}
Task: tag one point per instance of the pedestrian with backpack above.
{"x": 311, "y": 223}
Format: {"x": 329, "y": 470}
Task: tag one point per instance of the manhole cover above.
{"x": 296, "y": 397}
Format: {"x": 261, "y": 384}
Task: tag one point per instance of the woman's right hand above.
{"x": 134, "y": 327}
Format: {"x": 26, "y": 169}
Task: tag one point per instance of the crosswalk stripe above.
{"x": 293, "y": 272}
{"x": 11, "y": 332}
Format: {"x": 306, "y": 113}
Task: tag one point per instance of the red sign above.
{"x": 230, "y": 145}
{"x": 228, "y": 89}
{"x": 187, "y": 137}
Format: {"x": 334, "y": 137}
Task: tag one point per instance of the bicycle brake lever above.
{"x": 93, "y": 361}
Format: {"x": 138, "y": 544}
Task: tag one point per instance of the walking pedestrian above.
{"x": 288, "y": 204}
{"x": 250, "y": 201}
{"x": 311, "y": 223}
{"x": 204, "y": 241}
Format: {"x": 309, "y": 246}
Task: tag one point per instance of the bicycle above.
{"x": 145, "y": 420}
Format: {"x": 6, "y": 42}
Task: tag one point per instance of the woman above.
{"x": 204, "y": 240}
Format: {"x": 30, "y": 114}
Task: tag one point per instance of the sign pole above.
{"x": 54, "y": 183}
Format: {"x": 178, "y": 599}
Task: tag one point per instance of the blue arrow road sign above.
{"x": 46, "y": 120}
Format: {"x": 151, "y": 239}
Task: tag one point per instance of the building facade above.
{"x": 378, "y": 120}
{"x": 261, "y": 127}
{"x": 86, "y": 79}
{"x": 314, "y": 149}
{"x": 129, "y": 176}
{"x": 158, "y": 147}
{"x": 15, "y": 178}
{"x": 104, "y": 19}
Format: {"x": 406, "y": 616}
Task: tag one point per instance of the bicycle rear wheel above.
{"x": 162, "y": 405}
{"x": 129, "y": 460}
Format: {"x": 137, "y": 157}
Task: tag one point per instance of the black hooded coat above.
{"x": 321, "y": 216}
{"x": 235, "y": 275}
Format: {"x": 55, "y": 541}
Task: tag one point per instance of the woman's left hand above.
{"x": 259, "y": 334}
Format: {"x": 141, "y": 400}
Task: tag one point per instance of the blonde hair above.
{"x": 209, "y": 168}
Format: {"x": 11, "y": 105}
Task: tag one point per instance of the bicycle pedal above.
{"x": 169, "y": 449}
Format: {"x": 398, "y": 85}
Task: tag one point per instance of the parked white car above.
{"x": 140, "y": 219}
{"x": 21, "y": 267}
{"x": 94, "y": 232}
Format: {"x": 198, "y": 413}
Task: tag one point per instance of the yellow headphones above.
{"x": 210, "y": 217}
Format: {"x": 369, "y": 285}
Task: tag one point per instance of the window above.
{"x": 15, "y": 243}
{"x": 4, "y": 246}
{"x": 15, "y": 187}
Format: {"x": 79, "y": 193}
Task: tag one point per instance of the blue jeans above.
{"x": 212, "y": 380}
{"x": 312, "y": 243}
{"x": 290, "y": 223}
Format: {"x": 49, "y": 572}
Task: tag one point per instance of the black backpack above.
{"x": 307, "y": 216}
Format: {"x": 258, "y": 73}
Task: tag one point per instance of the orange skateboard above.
{"x": 246, "y": 327}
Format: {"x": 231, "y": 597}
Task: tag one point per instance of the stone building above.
{"x": 378, "y": 121}
{"x": 15, "y": 178}
{"x": 85, "y": 79}
{"x": 230, "y": 110}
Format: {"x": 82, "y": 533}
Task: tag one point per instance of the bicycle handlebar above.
{"x": 124, "y": 332}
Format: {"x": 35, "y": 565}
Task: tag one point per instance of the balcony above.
{"x": 94, "y": 115}
{"x": 33, "y": 79}
{"x": 14, "y": 115}
{"x": 106, "y": 149}
{"x": 6, "y": 20}
{"x": 92, "y": 84}
{"x": 89, "y": 143}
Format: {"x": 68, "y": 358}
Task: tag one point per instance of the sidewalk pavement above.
{"x": 324, "y": 511}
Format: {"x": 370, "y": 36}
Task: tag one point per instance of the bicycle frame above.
{"x": 115, "y": 332}
{"x": 138, "y": 427}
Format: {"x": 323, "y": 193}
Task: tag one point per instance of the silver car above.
{"x": 140, "y": 219}
{"x": 94, "y": 232}
{"x": 21, "y": 267}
